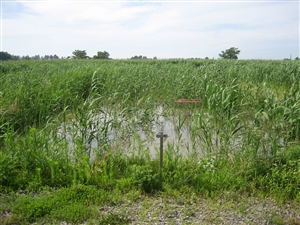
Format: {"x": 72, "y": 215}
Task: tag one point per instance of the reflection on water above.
{"x": 132, "y": 135}
{"x": 187, "y": 133}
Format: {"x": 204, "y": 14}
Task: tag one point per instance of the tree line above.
{"x": 231, "y": 53}
{"x": 6, "y": 56}
{"x": 82, "y": 54}
{"x": 77, "y": 54}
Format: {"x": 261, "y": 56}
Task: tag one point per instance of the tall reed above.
{"x": 68, "y": 122}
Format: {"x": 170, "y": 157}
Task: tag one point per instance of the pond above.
{"x": 189, "y": 131}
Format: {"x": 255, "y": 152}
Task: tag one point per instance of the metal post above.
{"x": 161, "y": 135}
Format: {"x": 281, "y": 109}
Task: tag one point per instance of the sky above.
{"x": 163, "y": 29}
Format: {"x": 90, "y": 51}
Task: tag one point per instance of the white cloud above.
{"x": 165, "y": 29}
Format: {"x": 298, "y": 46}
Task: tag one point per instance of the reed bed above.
{"x": 70, "y": 122}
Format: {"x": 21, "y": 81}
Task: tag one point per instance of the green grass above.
{"x": 53, "y": 112}
{"x": 74, "y": 205}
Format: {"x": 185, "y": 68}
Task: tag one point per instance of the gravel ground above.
{"x": 194, "y": 210}
{"x": 160, "y": 210}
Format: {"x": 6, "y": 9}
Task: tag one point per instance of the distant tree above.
{"x": 79, "y": 54}
{"x": 297, "y": 58}
{"x": 155, "y": 58}
{"x": 5, "y": 56}
{"x": 55, "y": 57}
{"x": 101, "y": 55}
{"x": 139, "y": 57}
{"x": 36, "y": 57}
{"x": 27, "y": 57}
{"x": 230, "y": 53}
{"x": 15, "y": 57}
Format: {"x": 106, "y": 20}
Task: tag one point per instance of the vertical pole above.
{"x": 161, "y": 149}
{"x": 161, "y": 136}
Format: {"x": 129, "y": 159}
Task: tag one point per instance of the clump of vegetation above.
{"x": 230, "y": 53}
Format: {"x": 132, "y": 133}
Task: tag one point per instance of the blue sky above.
{"x": 162, "y": 29}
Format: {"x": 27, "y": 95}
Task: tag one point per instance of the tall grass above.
{"x": 76, "y": 122}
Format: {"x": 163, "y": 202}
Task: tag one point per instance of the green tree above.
{"x": 101, "y": 55}
{"x": 139, "y": 57}
{"x": 27, "y": 57}
{"x": 36, "y": 57}
{"x": 55, "y": 57}
{"x": 79, "y": 54}
{"x": 5, "y": 56}
{"x": 15, "y": 57}
{"x": 230, "y": 53}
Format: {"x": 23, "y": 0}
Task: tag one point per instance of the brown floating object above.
{"x": 189, "y": 100}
